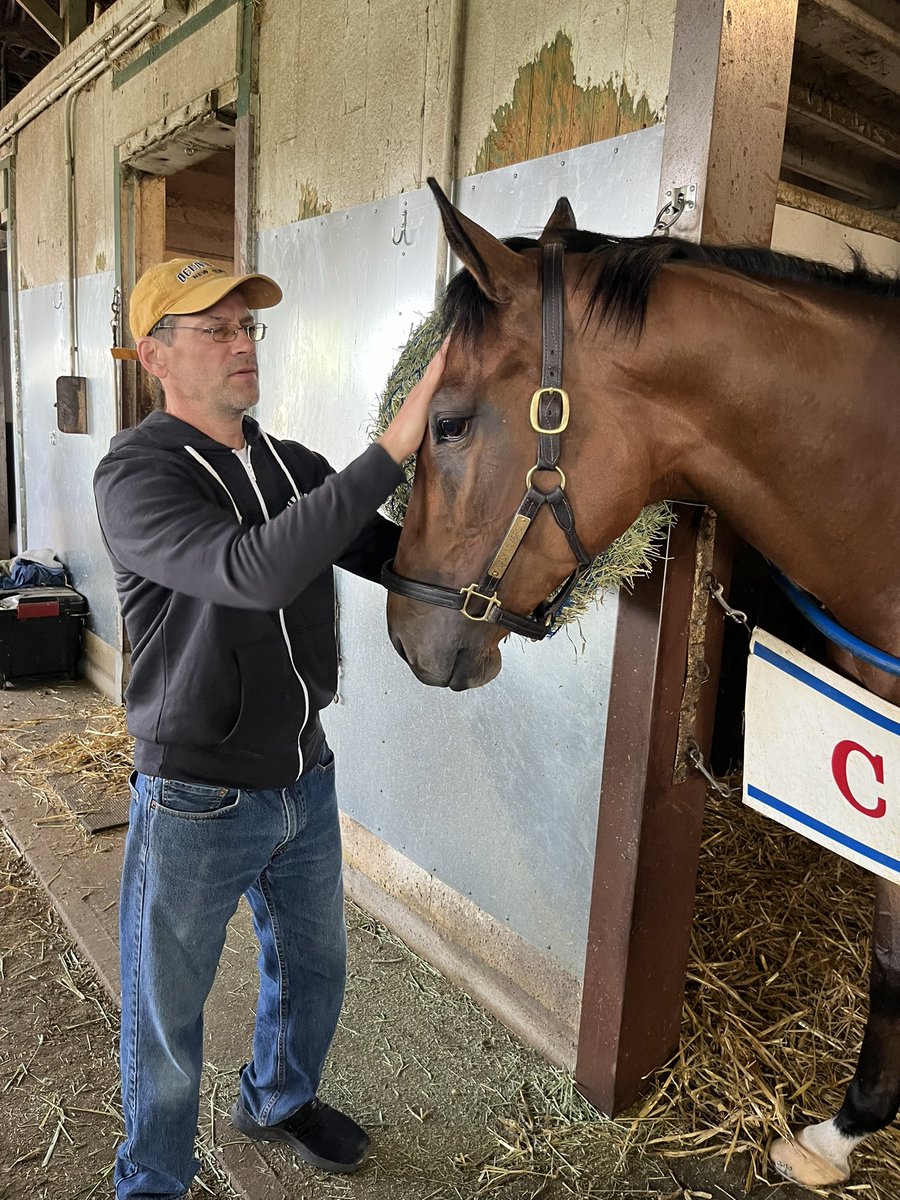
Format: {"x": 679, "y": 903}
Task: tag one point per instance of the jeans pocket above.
{"x": 326, "y": 760}
{"x": 196, "y": 800}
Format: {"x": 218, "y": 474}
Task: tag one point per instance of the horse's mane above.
{"x": 621, "y": 271}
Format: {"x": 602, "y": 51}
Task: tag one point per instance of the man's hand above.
{"x": 405, "y": 433}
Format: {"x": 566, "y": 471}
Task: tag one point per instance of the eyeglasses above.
{"x": 223, "y": 333}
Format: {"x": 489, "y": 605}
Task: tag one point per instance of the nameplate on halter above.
{"x": 510, "y": 545}
{"x": 822, "y": 756}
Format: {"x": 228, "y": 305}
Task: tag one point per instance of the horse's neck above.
{"x": 792, "y": 437}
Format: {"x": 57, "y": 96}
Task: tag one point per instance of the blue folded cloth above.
{"x": 35, "y": 568}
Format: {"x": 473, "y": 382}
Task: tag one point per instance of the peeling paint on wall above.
{"x": 310, "y": 204}
{"x": 550, "y": 111}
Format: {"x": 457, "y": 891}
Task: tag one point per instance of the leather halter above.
{"x": 549, "y": 418}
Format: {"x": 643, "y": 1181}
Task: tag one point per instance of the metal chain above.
{"x": 116, "y": 308}
{"x": 695, "y": 758}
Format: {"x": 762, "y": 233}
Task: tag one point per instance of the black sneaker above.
{"x": 319, "y": 1134}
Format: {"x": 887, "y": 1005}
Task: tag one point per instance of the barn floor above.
{"x": 458, "y": 1108}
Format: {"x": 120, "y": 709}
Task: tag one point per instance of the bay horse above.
{"x": 760, "y": 384}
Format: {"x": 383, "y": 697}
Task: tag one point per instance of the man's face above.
{"x": 216, "y": 378}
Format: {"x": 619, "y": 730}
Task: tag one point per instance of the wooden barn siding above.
{"x": 552, "y": 111}
{"x": 353, "y": 97}
{"x": 104, "y": 117}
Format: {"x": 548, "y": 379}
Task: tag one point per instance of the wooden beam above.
{"x": 847, "y": 122}
{"x": 728, "y": 91}
{"x": 245, "y": 193}
{"x": 725, "y": 118}
{"x": 836, "y": 210}
{"x": 74, "y": 18}
{"x": 42, "y": 14}
{"x": 29, "y": 37}
{"x": 863, "y": 22}
{"x": 868, "y": 182}
{"x": 648, "y": 835}
{"x": 853, "y": 38}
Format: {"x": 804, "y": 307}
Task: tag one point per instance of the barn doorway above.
{"x": 178, "y": 200}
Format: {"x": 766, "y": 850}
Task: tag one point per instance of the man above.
{"x": 223, "y": 540}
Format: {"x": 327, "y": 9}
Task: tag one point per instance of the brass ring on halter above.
{"x": 559, "y": 471}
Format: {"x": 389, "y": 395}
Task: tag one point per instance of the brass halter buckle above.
{"x": 536, "y": 400}
{"x": 471, "y": 592}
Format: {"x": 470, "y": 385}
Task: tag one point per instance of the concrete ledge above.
{"x": 530, "y": 993}
{"x": 98, "y": 666}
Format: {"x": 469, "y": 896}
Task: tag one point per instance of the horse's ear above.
{"x": 498, "y": 271}
{"x": 561, "y": 218}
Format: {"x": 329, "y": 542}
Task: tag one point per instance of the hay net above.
{"x": 628, "y": 557}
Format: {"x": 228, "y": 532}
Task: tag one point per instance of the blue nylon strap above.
{"x": 830, "y": 628}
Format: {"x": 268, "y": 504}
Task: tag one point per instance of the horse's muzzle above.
{"x": 442, "y": 648}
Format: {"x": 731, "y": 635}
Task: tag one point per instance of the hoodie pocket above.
{"x": 273, "y": 704}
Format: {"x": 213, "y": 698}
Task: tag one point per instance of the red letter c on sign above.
{"x": 842, "y": 752}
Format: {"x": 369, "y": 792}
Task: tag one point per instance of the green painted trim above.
{"x": 246, "y": 66}
{"x": 178, "y": 35}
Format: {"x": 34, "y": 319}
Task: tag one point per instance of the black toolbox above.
{"x": 40, "y": 631}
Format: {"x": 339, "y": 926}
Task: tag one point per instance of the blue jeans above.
{"x": 192, "y": 851}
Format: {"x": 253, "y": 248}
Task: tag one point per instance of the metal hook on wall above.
{"x": 402, "y": 237}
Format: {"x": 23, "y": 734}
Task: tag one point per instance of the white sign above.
{"x": 822, "y": 756}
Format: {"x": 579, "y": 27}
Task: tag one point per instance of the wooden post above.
{"x": 48, "y": 19}
{"x": 74, "y": 18}
{"x": 728, "y": 92}
{"x": 245, "y": 141}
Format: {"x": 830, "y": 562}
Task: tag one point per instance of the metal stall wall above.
{"x": 479, "y": 790}
{"x": 68, "y": 122}
{"x": 59, "y": 467}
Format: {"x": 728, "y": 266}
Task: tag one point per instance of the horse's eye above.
{"x": 452, "y": 429}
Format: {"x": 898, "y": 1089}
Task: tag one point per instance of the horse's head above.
{"x": 481, "y": 445}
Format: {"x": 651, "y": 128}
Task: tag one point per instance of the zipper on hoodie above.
{"x": 265, "y": 511}
{"x": 251, "y": 474}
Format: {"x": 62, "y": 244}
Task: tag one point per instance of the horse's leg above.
{"x": 819, "y": 1155}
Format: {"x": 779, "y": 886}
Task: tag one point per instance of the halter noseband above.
{"x": 549, "y": 418}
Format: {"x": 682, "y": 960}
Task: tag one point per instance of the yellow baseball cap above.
{"x": 190, "y": 285}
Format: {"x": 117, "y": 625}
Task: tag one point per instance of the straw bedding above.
{"x": 775, "y": 1004}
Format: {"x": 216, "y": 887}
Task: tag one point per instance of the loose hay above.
{"x": 773, "y": 1020}
{"x": 629, "y": 556}
{"x": 777, "y": 995}
{"x": 100, "y": 758}
{"x": 103, "y": 753}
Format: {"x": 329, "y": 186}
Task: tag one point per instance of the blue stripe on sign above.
{"x": 825, "y": 689}
{"x": 820, "y": 827}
